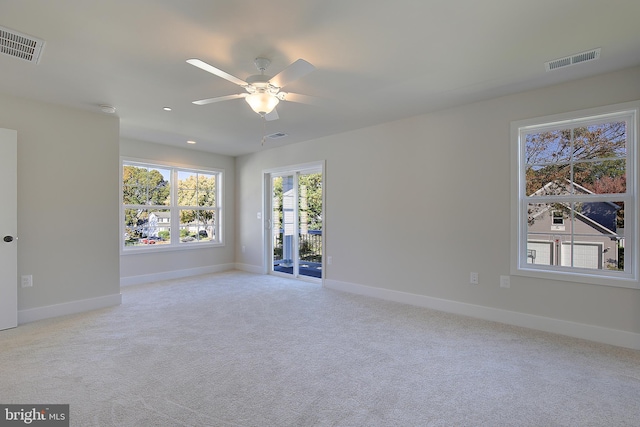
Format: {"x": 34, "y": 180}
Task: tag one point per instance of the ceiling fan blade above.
{"x": 292, "y": 72}
{"x": 273, "y": 115}
{"x": 220, "y": 98}
{"x": 303, "y": 99}
{"x": 215, "y": 71}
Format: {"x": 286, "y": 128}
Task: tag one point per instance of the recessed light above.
{"x": 191, "y": 142}
{"x": 167, "y": 108}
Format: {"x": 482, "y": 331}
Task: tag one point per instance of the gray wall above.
{"x": 142, "y": 267}
{"x": 416, "y": 205}
{"x": 67, "y": 201}
{"x": 434, "y": 189}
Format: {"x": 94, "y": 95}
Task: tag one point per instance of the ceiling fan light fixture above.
{"x": 262, "y": 103}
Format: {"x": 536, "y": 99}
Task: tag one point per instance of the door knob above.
{"x": 8, "y": 239}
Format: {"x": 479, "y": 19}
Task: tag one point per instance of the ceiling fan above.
{"x": 263, "y": 92}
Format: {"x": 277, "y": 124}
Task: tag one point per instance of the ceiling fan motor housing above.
{"x": 259, "y": 83}
{"x": 262, "y": 64}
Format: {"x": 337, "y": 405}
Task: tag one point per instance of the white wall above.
{"x": 145, "y": 267}
{"x": 415, "y": 205}
{"x": 67, "y": 207}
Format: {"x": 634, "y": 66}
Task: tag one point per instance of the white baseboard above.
{"x": 73, "y": 307}
{"x": 577, "y": 330}
{"x": 175, "y": 274}
{"x": 255, "y": 269}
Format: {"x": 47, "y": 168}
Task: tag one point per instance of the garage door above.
{"x": 585, "y": 255}
{"x": 539, "y": 253}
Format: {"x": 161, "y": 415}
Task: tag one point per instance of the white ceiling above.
{"x": 376, "y": 60}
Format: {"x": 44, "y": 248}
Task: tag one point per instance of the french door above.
{"x": 295, "y": 204}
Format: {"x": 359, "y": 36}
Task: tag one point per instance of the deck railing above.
{"x": 309, "y": 249}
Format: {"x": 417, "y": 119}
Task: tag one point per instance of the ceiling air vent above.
{"x": 590, "y": 55}
{"x": 20, "y": 45}
{"x": 277, "y": 135}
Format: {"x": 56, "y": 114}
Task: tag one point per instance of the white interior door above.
{"x": 8, "y": 229}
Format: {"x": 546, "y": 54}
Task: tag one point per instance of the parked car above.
{"x": 151, "y": 240}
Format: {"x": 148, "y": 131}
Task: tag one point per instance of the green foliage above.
{"x": 310, "y": 200}
{"x": 142, "y": 186}
{"x": 197, "y": 190}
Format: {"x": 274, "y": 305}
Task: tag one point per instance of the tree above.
{"x": 593, "y": 157}
{"x": 609, "y": 185}
{"x": 142, "y": 186}
{"x": 197, "y": 190}
{"x": 310, "y": 189}
{"x": 589, "y": 156}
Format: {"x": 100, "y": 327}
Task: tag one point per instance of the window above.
{"x": 557, "y": 218}
{"x": 169, "y": 207}
{"x": 575, "y": 199}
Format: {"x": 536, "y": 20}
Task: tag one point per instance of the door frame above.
{"x": 9, "y": 252}
{"x": 267, "y": 211}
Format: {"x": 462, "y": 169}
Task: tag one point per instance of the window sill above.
{"x": 621, "y": 280}
{"x": 168, "y": 248}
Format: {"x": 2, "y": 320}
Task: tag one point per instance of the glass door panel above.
{"x": 283, "y": 223}
{"x": 310, "y": 224}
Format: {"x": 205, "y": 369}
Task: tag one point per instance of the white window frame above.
{"x": 629, "y": 278}
{"x": 174, "y": 209}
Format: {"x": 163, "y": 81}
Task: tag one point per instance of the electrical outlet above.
{"x": 329, "y": 260}
{"x": 244, "y": 248}
{"x": 505, "y": 281}
{"x": 27, "y": 281}
{"x": 474, "y": 279}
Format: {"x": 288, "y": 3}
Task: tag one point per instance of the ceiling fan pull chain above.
{"x": 264, "y": 129}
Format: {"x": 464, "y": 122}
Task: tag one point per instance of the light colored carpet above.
{"x": 237, "y": 349}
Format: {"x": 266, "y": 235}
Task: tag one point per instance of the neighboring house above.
{"x": 158, "y": 221}
{"x": 161, "y": 221}
{"x": 590, "y": 225}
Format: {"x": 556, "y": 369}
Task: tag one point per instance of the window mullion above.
{"x": 173, "y": 197}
